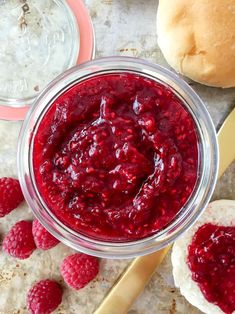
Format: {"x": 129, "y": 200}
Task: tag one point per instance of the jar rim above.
{"x": 188, "y": 214}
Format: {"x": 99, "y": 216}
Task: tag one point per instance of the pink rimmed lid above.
{"x": 41, "y": 40}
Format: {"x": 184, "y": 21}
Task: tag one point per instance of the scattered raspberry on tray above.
{"x": 79, "y": 269}
{"x": 43, "y": 239}
{"x": 19, "y": 241}
{"x": 10, "y": 195}
{"x": 44, "y": 297}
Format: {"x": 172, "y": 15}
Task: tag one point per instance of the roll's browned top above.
{"x": 197, "y": 38}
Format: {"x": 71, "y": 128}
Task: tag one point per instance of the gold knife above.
{"x": 134, "y": 279}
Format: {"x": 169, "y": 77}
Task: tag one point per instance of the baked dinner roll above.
{"x": 197, "y": 38}
{"x": 216, "y": 253}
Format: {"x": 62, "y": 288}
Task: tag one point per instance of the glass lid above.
{"x": 39, "y": 40}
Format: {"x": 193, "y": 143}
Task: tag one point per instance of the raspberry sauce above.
{"x": 211, "y": 259}
{"x": 116, "y": 157}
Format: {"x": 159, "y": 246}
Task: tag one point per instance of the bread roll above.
{"x": 197, "y": 38}
{"x": 219, "y": 213}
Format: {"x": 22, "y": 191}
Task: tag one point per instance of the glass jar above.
{"x": 207, "y": 168}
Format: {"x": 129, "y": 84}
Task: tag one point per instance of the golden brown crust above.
{"x": 197, "y": 38}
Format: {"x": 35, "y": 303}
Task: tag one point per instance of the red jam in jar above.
{"x": 116, "y": 157}
{"x": 211, "y": 259}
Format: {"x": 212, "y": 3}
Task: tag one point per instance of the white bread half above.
{"x": 197, "y": 38}
{"x": 220, "y": 212}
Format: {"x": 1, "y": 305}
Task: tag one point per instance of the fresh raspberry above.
{"x": 10, "y": 195}
{"x": 43, "y": 239}
{"x": 79, "y": 269}
{"x": 19, "y": 241}
{"x": 44, "y": 297}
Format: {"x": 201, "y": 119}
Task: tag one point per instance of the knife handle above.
{"x": 131, "y": 283}
{"x": 226, "y": 140}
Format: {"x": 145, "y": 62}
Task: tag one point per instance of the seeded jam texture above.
{"x": 211, "y": 259}
{"x": 116, "y": 157}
